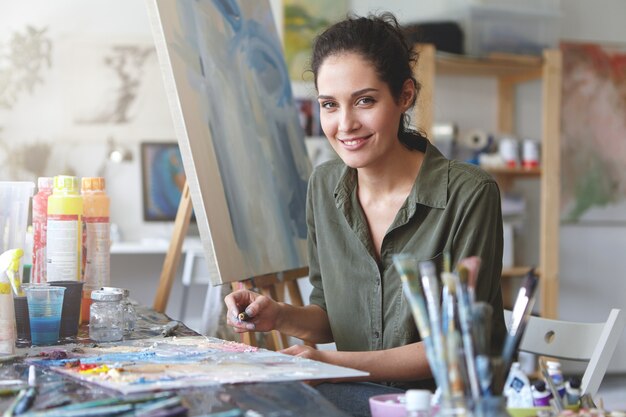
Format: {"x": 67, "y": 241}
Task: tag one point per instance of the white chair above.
{"x": 591, "y": 342}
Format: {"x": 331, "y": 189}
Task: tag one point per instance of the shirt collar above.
{"x": 430, "y": 188}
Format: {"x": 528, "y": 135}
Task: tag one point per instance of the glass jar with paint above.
{"x": 106, "y": 319}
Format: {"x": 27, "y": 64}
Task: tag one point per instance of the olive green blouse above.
{"x": 453, "y": 207}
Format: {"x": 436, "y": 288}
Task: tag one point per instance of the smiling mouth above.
{"x": 354, "y": 141}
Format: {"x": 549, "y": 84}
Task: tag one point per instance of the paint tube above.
{"x": 572, "y": 391}
{"x": 554, "y": 370}
{"x": 541, "y": 395}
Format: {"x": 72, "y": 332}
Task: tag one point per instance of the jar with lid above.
{"x": 106, "y": 318}
{"x": 418, "y": 403}
{"x": 130, "y": 315}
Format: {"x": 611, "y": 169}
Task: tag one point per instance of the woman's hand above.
{"x": 303, "y": 351}
{"x": 262, "y": 311}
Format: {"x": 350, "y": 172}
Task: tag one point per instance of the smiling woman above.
{"x": 390, "y": 192}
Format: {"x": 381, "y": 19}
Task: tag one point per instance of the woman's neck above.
{"x": 396, "y": 173}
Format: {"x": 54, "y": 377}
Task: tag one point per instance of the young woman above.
{"x": 390, "y": 192}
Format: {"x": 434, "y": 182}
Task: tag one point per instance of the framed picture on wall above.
{"x": 163, "y": 178}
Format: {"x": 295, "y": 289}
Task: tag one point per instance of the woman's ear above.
{"x": 408, "y": 93}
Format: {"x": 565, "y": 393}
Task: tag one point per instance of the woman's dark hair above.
{"x": 380, "y": 41}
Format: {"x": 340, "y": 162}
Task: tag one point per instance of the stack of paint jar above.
{"x": 71, "y": 234}
{"x": 521, "y": 393}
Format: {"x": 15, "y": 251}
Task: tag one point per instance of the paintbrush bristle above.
{"x": 463, "y": 273}
{"x": 448, "y": 280}
{"x": 473, "y": 266}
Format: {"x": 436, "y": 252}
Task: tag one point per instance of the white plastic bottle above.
{"x": 418, "y": 403}
{"x": 517, "y": 388}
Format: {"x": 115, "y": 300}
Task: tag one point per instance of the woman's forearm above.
{"x": 405, "y": 363}
{"x": 308, "y": 323}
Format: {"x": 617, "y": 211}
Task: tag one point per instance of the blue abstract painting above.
{"x": 238, "y": 130}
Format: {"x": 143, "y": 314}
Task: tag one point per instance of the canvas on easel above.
{"x": 243, "y": 149}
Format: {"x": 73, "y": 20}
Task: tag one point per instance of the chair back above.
{"x": 590, "y": 342}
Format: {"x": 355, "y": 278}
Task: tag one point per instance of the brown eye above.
{"x": 365, "y": 101}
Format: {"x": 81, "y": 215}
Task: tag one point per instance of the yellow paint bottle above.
{"x": 64, "y": 231}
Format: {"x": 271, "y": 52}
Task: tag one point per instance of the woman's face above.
{"x": 359, "y": 115}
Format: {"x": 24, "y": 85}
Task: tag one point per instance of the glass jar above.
{"x": 453, "y": 407}
{"x": 130, "y": 315}
{"x": 106, "y": 317}
{"x": 491, "y": 407}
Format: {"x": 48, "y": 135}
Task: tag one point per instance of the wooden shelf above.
{"x": 514, "y": 172}
{"x": 510, "y": 71}
{"x": 495, "y": 66}
{"x": 518, "y": 271}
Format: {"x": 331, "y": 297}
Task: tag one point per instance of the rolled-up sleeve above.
{"x": 317, "y": 294}
{"x": 480, "y": 234}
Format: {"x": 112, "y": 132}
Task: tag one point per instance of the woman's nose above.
{"x": 348, "y": 121}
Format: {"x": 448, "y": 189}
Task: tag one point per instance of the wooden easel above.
{"x": 172, "y": 257}
{"x": 271, "y": 285}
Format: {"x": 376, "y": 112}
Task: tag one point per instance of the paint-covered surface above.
{"x": 179, "y": 362}
{"x": 242, "y": 145}
{"x": 265, "y": 398}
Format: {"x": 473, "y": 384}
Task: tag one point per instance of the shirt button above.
{"x": 376, "y": 335}
{"x": 377, "y": 281}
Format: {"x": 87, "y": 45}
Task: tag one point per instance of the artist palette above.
{"x": 173, "y": 363}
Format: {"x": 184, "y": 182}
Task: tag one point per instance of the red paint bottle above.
{"x": 40, "y": 219}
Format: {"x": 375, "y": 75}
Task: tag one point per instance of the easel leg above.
{"x": 172, "y": 258}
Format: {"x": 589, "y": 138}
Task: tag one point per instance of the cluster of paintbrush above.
{"x": 165, "y": 404}
{"x": 456, "y": 329}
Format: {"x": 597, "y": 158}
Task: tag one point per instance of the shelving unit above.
{"x": 510, "y": 71}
